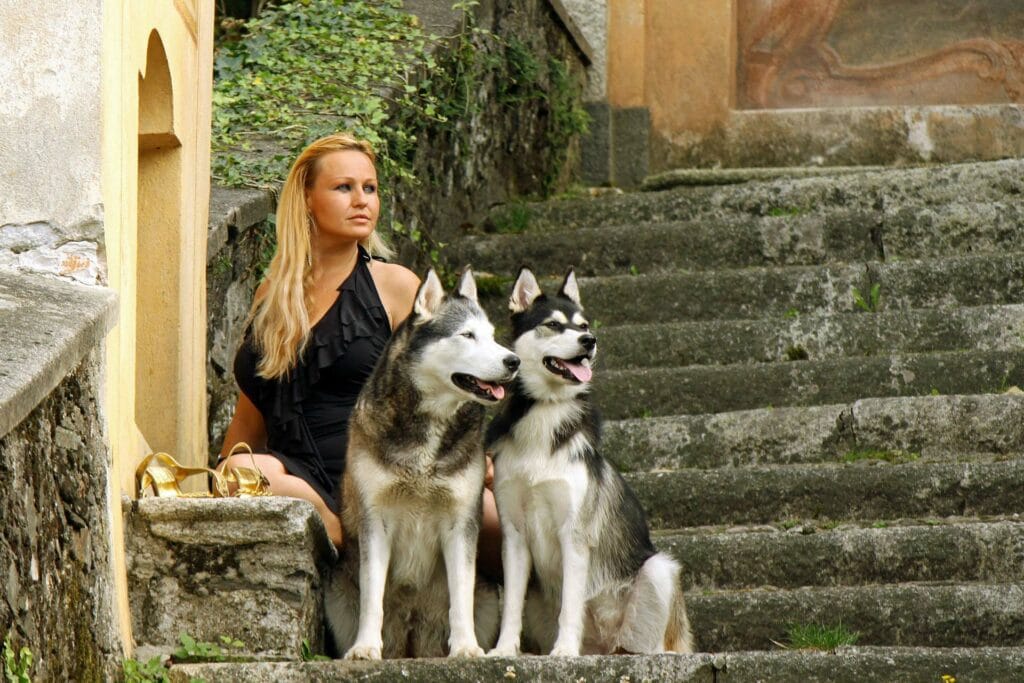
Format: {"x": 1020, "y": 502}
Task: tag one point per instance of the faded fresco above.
{"x": 833, "y": 53}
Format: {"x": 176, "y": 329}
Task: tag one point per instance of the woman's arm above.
{"x": 246, "y": 425}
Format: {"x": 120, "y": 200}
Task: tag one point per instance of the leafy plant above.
{"x": 891, "y": 456}
{"x": 17, "y": 664}
{"x": 150, "y": 671}
{"x": 871, "y": 303}
{"x": 819, "y": 637}
{"x": 308, "y": 655}
{"x": 792, "y": 313}
{"x": 192, "y": 650}
{"x": 797, "y": 353}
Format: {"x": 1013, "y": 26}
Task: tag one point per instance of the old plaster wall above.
{"x": 55, "y": 555}
{"x": 51, "y": 211}
{"x": 591, "y": 16}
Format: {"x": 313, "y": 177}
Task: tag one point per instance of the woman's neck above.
{"x": 334, "y": 262}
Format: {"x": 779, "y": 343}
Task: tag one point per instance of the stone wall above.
{"x": 55, "y": 547}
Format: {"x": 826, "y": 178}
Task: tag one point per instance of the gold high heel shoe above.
{"x": 165, "y": 474}
{"x": 250, "y": 481}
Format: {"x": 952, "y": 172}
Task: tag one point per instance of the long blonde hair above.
{"x": 281, "y": 318}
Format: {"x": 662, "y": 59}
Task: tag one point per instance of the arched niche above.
{"x": 158, "y": 333}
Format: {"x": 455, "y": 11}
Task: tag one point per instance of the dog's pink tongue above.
{"x": 496, "y": 389}
{"x": 581, "y": 372}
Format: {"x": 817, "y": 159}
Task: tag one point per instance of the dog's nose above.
{"x": 512, "y": 363}
{"x": 588, "y": 341}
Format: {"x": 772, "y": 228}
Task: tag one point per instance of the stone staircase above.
{"x": 810, "y": 456}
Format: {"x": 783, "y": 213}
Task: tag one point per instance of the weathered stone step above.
{"x": 844, "y": 665}
{"x": 999, "y": 183}
{"x": 648, "y": 392}
{"x": 931, "y": 615}
{"x": 933, "y": 427}
{"x": 813, "y": 336}
{"x": 724, "y": 243}
{"x": 794, "y": 290}
{"x": 735, "y": 240}
{"x": 950, "y": 551}
{"x": 859, "y": 491}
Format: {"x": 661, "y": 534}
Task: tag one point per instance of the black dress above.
{"x": 306, "y": 412}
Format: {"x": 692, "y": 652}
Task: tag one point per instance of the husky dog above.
{"x": 565, "y": 511}
{"x": 413, "y": 483}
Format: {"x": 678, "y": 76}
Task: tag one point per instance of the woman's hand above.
{"x": 489, "y": 472}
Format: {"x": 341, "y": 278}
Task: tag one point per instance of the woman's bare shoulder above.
{"x": 397, "y": 286}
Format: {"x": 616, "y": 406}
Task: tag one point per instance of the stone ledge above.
{"x": 238, "y": 208}
{"x": 250, "y": 568}
{"x": 46, "y": 327}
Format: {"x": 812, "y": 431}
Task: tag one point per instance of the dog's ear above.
{"x": 570, "y": 288}
{"x": 524, "y": 291}
{"x": 467, "y": 285}
{"x": 429, "y": 296}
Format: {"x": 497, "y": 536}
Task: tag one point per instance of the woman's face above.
{"x": 343, "y": 199}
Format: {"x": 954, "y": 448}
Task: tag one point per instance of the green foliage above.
{"x": 797, "y": 353}
{"x": 891, "y": 456}
{"x": 511, "y": 218}
{"x": 819, "y": 637}
{"x": 309, "y": 68}
{"x": 192, "y": 650}
{"x": 870, "y": 304}
{"x": 792, "y": 313}
{"x": 17, "y": 664}
{"x": 308, "y": 655}
{"x": 151, "y": 671}
{"x": 496, "y": 286}
{"x": 785, "y": 211}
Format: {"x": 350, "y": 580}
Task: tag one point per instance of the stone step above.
{"x": 949, "y": 551}
{"x": 999, "y": 183}
{"x": 649, "y": 392}
{"x": 736, "y": 240}
{"x": 796, "y": 290}
{"x": 813, "y": 336}
{"x": 725, "y": 243}
{"x": 932, "y": 427}
{"x": 843, "y": 665}
{"x": 930, "y": 615}
{"x": 859, "y": 491}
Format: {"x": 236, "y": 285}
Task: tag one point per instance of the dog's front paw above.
{"x": 467, "y": 648}
{"x": 565, "y": 650}
{"x": 504, "y": 650}
{"x": 364, "y": 651}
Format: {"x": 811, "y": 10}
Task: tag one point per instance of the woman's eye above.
{"x": 469, "y": 335}
{"x": 369, "y": 189}
{"x": 344, "y": 187}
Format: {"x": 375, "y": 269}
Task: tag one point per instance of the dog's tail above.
{"x": 678, "y": 637}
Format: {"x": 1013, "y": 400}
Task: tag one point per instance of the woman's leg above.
{"x": 488, "y": 550}
{"x": 284, "y": 484}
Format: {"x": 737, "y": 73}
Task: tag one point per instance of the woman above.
{"x": 319, "y": 322}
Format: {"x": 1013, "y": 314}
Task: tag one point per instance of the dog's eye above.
{"x": 469, "y": 335}
{"x": 584, "y": 326}
{"x": 554, "y": 324}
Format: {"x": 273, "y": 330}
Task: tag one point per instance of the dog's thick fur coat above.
{"x": 411, "y": 494}
{"x": 566, "y": 513}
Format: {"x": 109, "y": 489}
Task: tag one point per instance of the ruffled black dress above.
{"x": 307, "y": 412}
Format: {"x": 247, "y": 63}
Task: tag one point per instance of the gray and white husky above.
{"x": 411, "y": 493}
{"x": 565, "y": 511}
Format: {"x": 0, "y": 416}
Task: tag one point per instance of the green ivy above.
{"x": 305, "y": 69}
{"x": 17, "y": 663}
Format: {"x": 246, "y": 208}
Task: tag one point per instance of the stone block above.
{"x": 595, "y": 148}
{"x": 249, "y": 568}
{"x": 631, "y": 145}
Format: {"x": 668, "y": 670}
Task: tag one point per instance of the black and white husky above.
{"x": 565, "y": 511}
{"x": 411, "y": 493}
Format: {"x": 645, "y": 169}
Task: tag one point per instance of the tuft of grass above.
{"x": 792, "y": 313}
{"x": 819, "y": 637}
{"x": 890, "y": 456}
{"x": 797, "y": 353}
{"x": 869, "y": 303}
{"x": 492, "y": 285}
{"x": 785, "y": 211}
{"x": 510, "y": 219}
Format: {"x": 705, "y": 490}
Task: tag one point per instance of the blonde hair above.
{"x": 280, "y": 319}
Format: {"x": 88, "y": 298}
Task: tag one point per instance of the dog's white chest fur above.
{"x": 541, "y": 489}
